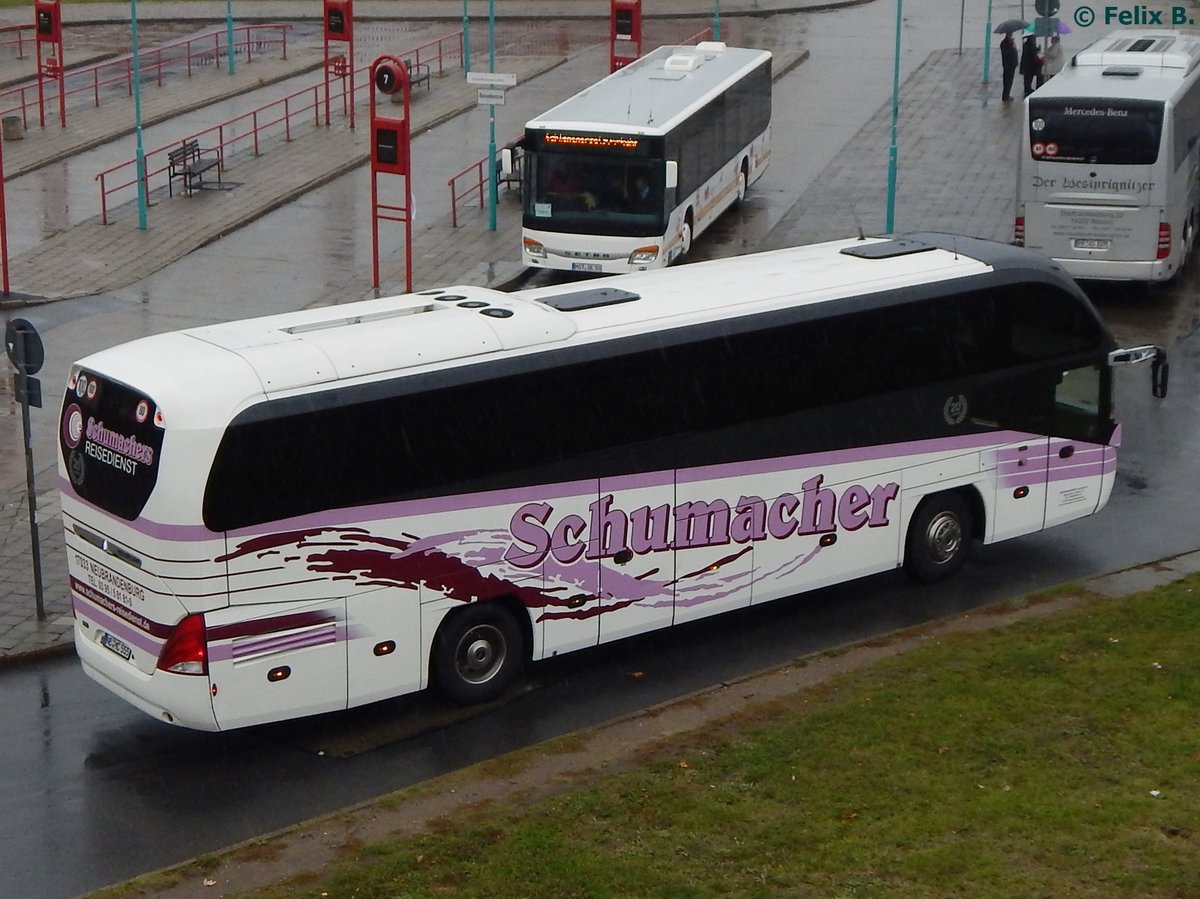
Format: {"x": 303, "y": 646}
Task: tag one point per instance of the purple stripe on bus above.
{"x": 261, "y": 627}
{"x": 319, "y": 637}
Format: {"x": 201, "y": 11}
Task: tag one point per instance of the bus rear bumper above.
{"x": 1112, "y": 270}
{"x": 178, "y": 699}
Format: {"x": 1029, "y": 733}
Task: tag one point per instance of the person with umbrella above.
{"x": 1031, "y": 64}
{"x": 1053, "y": 63}
{"x": 1008, "y": 53}
{"x": 1008, "y": 64}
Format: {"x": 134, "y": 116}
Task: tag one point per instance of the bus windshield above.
{"x": 1095, "y": 131}
{"x": 595, "y": 193}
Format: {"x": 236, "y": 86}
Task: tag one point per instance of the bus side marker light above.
{"x": 275, "y": 675}
{"x": 827, "y": 540}
{"x": 386, "y": 648}
{"x": 1021, "y": 493}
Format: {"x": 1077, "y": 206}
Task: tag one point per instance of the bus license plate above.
{"x": 1081, "y": 244}
{"x": 586, "y": 267}
{"x": 109, "y": 642}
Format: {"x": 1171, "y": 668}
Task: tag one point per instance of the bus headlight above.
{"x": 534, "y": 248}
{"x": 643, "y": 255}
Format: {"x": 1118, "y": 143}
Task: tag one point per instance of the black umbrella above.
{"x": 1011, "y": 25}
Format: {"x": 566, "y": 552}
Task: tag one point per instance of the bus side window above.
{"x": 1077, "y": 404}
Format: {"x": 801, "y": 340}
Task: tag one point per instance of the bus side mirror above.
{"x": 672, "y": 174}
{"x": 1160, "y": 373}
{"x": 1160, "y": 369}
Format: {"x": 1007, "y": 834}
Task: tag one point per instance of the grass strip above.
{"x": 1055, "y": 757}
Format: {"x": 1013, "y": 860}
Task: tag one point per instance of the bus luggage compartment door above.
{"x": 267, "y": 664}
{"x": 1093, "y": 232}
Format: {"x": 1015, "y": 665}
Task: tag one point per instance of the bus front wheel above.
{"x": 477, "y": 653}
{"x": 685, "y": 238}
{"x": 939, "y": 538}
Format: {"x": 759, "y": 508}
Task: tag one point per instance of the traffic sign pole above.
{"x": 25, "y": 351}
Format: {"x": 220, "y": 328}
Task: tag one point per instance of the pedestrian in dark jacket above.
{"x": 1031, "y": 63}
{"x": 1008, "y": 62}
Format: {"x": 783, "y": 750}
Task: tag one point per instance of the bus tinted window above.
{"x": 1096, "y": 131}
{"x": 740, "y": 389}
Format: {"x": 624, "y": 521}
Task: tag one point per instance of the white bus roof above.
{"x": 653, "y": 93}
{"x": 1137, "y": 65}
{"x": 217, "y": 369}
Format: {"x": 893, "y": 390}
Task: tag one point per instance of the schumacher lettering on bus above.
{"x": 609, "y": 531}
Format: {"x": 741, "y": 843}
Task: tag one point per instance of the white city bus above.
{"x": 624, "y": 175}
{"x": 1109, "y": 171}
{"x": 311, "y": 511}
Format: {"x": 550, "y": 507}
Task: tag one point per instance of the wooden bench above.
{"x": 188, "y": 163}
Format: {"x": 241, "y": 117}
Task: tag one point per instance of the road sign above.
{"x": 1046, "y": 7}
{"x": 492, "y": 79}
{"x": 24, "y": 346}
{"x": 27, "y": 390}
{"x": 1045, "y": 26}
{"x": 491, "y": 96}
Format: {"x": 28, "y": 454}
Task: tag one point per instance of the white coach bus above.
{"x": 1109, "y": 171}
{"x": 310, "y": 511}
{"x": 624, "y": 175}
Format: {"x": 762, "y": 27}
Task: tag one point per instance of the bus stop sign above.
{"x": 24, "y": 346}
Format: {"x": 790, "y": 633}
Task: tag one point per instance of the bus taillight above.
{"x": 186, "y": 650}
{"x": 1019, "y": 231}
{"x": 1164, "y": 241}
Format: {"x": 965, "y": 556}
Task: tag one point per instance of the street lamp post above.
{"x": 229, "y": 33}
{"x": 466, "y": 40}
{"x": 137, "y": 117}
{"x": 891, "y": 188}
{"x": 716, "y": 28}
{"x": 492, "y": 194}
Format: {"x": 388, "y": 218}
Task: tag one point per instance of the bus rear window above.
{"x": 110, "y": 437}
{"x": 1095, "y": 131}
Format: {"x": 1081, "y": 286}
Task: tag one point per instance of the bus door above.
{"x": 275, "y": 656}
{"x": 714, "y": 568}
{"x": 1019, "y": 502}
{"x": 1081, "y": 464}
{"x": 556, "y": 532}
{"x": 1092, "y": 179}
{"x": 637, "y": 562}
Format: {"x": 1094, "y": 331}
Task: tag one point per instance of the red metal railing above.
{"x": 476, "y": 184}
{"x": 194, "y": 52}
{"x": 276, "y": 119}
{"x": 15, "y": 34}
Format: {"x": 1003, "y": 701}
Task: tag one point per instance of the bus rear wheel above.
{"x": 477, "y": 653}
{"x": 939, "y": 538}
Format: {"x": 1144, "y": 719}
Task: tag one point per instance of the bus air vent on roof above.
{"x": 887, "y": 249}
{"x": 589, "y": 299}
{"x": 1122, "y": 71}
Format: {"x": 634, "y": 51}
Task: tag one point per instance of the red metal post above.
{"x": 624, "y": 33}
{"x": 391, "y": 147}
